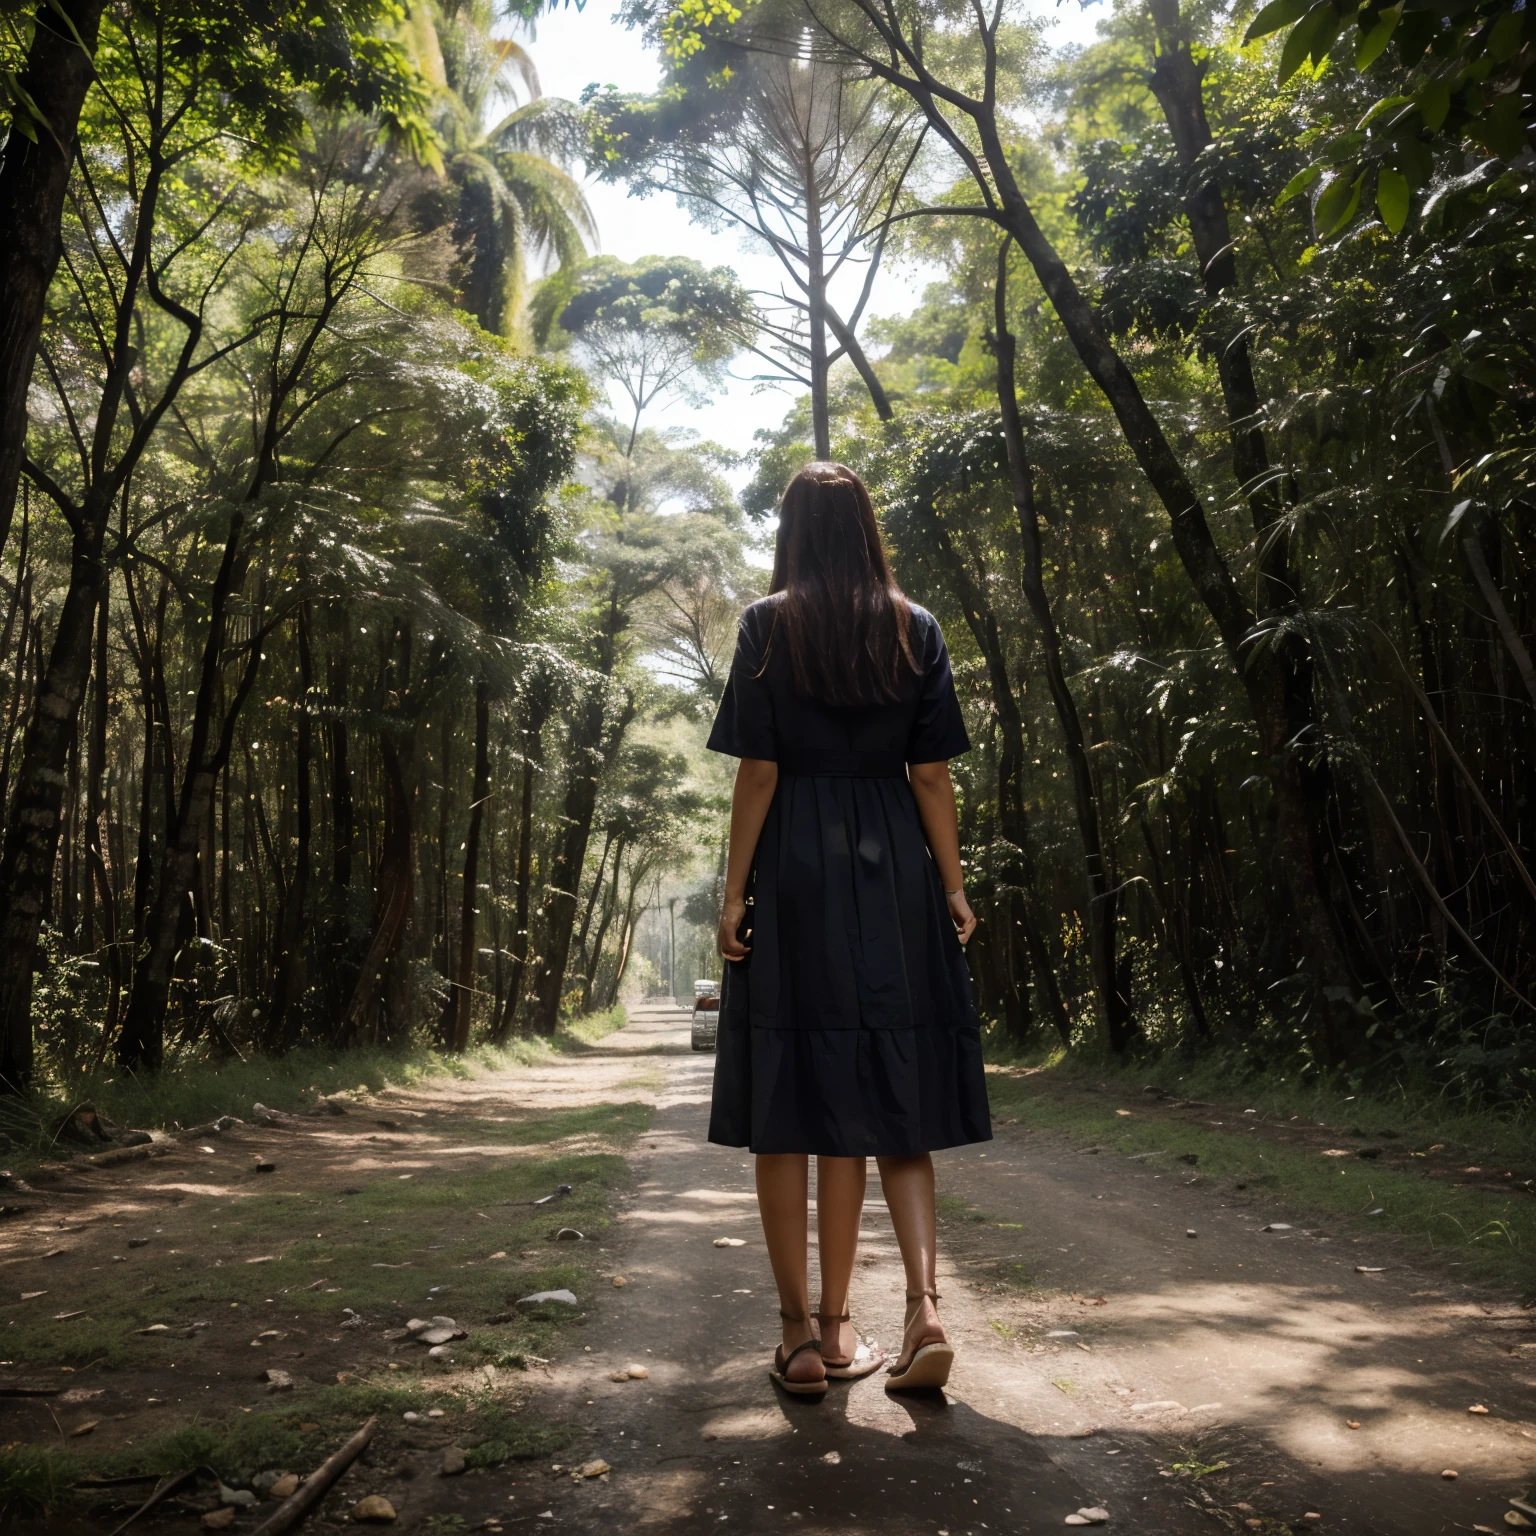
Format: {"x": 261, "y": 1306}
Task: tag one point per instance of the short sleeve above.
{"x": 938, "y": 731}
{"x": 744, "y": 722}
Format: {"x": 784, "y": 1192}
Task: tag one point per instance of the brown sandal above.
{"x": 928, "y": 1367}
{"x": 862, "y": 1362}
{"x": 779, "y": 1370}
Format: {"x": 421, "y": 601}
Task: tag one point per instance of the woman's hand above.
{"x": 961, "y": 915}
{"x": 731, "y": 915}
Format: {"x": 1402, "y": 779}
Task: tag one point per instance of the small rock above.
{"x": 440, "y": 1353}
{"x": 1370, "y": 1269}
{"x": 83, "y": 1429}
{"x": 618, "y": 1376}
{"x": 1277, "y": 1226}
{"x": 567, "y": 1235}
{"x": 620, "y": 1281}
{"x": 453, "y": 1462}
{"x": 1351, "y": 1423}
{"x": 262, "y": 1165}
{"x": 262, "y": 1482}
{"x": 833, "y": 1459}
{"x": 1450, "y": 1474}
{"x": 595, "y": 1468}
{"x": 278, "y": 1381}
{"x": 1094, "y": 1515}
{"x": 435, "y": 1330}
{"x": 730, "y": 1242}
{"x": 285, "y": 1487}
{"x": 219, "y": 1519}
{"x": 637, "y": 1372}
{"x": 411, "y": 1416}
{"x": 238, "y": 1498}
{"x": 137, "y": 1242}
{"x": 374, "y": 1508}
{"x": 1076, "y": 1520}
{"x": 1513, "y": 1517}
{"x": 1190, "y": 1232}
{"x": 1477, "y": 1408}
{"x": 566, "y": 1297}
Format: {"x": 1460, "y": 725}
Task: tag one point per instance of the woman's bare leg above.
{"x": 782, "y": 1197}
{"x": 839, "y": 1206}
{"x": 908, "y": 1186}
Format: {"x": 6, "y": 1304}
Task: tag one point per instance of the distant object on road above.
{"x": 706, "y": 1014}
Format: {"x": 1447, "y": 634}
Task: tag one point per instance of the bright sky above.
{"x": 573, "y": 49}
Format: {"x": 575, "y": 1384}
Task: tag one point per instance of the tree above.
{"x": 516, "y": 198}
{"x": 259, "y": 58}
{"x": 660, "y": 326}
{"x": 806, "y": 156}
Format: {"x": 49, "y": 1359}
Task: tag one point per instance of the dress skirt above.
{"x": 849, "y": 1030}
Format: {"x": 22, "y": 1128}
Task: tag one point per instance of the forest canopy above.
{"x": 363, "y": 606}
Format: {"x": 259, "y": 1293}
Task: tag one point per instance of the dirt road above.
{"x": 1257, "y": 1349}
{"x": 1297, "y": 1378}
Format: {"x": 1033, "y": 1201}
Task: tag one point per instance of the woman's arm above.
{"x": 756, "y": 781}
{"x": 935, "y": 796}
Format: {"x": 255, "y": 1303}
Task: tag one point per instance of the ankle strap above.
{"x": 792, "y": 1317}
{"x": 831, "y": 1317}
{"x": 919, "y": 1295}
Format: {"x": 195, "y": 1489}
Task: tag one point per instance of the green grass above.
{"x": 1492, "y": 1234}
{"x": 34, "y": 1477}
{"x": 433, "y": 1223}
{"x": 620, "y": 1123}
{"x": 195, "y": 1089}
{"x": 1419, "y": 1117}
{"x": 589, "y": 1028}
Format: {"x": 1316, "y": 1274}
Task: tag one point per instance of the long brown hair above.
{"x": 841, "y": 616}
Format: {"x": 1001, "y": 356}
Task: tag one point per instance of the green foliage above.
{"x": 1462, "y": 77}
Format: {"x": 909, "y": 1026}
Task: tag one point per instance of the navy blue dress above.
{"x": 849, "y": 1029}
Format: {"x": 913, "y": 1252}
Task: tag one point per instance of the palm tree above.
{"x": 517, "y": 197}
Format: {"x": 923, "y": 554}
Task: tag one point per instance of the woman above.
{"x": 847, "y": 1029}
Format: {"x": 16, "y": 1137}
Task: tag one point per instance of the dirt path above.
{"x": 1106, "y": 1358}
{"x": 1240, "y": 1346}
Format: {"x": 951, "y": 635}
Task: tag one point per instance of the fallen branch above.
{"x": 173, "y": 1484}
{"x": 293, "y": 1509}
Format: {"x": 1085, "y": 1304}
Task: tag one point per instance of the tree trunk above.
{"x": 459, "y": 1012}
{"x": 32, "y": 828}
{"x": 1319, "y": 944}
{"x": 1013, "y": 820}
{"x": 860, "y": 360}
{"x": 589, "y": 960}
{"x": 288, "y": 972}
{"x": 34, "y": 177}
{"x": 98, "y": 838}
{"x": 1103, "y": 910}
{"x": 533, "y": 756}
{"x": 594, "y": 740}
{"x": 393, "y": 886}
{"x": 816, "y": 297}
{"x": 610, "y": 906}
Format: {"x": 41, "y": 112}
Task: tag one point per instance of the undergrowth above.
{"x": 195, "y": 1088}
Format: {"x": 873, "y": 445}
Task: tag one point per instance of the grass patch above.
{"x": 193, "y": 1089}
{"x": 33, "y": 1478}
{"x": 379, "y": 1241}
{"x": 589, "y": 1028}
{"x": 1492, "y": 1234}
{"x": 619, "y": 1123}
{"x": 1419, "y": 1118}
